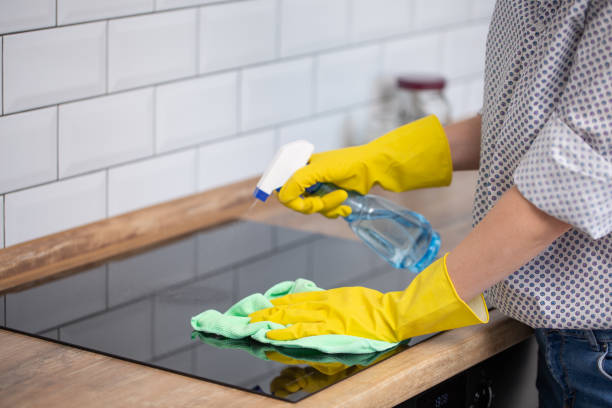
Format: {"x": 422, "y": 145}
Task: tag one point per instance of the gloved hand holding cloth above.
{"x": 429, "y": 304}
{"x": 416, "y": 155}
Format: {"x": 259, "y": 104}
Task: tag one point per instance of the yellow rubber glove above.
{"x": 413, "y": 156}
{"x": 429, "y": 304}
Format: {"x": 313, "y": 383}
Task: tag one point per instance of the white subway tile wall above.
{"x": 232, "y": 160}
{"x": 276, "y": 93}
{"x": 380, "y": 18}
{"x": 169, "y": 4}
{"x": 74, "y": 11}
{"x": 49, "y": 66}
{"x": 305, "y": 28}
{"x": 235, "y": 34}
{"x": 162, "y": 98}
{"x": 26, "y": 14}
{"x": 482, "y": 8}
{"x": 338, "y": 86}
{"x": 420, "y": 52}
{"x": 436, "y": 13}
{"x": 464, "y": 51}
{"x": 476, "y": 90}
{"x": 325, "y": 133}
{"x": 149, "y": 182}
{"x": 101, "y": 132}
{"x": 456, "y": 94}
{"x": 54, "y": 207}
{"x": 195, "y": 111}
{"x": 144, "y": 50}
{"x": 21, "y": 165}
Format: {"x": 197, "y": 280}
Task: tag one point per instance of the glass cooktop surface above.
{"x": 138, "y": 307}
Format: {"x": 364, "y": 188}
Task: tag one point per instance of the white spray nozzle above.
{"x": 287, "y": 160}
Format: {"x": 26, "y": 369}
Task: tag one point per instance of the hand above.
{"x": 413, "y": 156}
{"x": 429, "y": 304}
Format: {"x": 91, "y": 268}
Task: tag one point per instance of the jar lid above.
{"x": 421, "y": 81}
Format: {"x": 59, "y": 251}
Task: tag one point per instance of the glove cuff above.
{"x": 416, "y": 155}
{"x": 475, "y": 310}
{"x": 431, "y": 304}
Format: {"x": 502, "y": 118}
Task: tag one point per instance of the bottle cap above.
{"x": 421, "y": 81}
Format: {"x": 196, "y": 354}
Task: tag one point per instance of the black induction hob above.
{"x": 138, "y": 307}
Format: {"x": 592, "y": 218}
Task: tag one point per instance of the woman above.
{"x": 542, "y": 242}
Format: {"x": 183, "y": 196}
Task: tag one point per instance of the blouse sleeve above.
{"x": 567, "y": 171}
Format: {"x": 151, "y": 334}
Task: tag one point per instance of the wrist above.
{"x": 464, "y": 142}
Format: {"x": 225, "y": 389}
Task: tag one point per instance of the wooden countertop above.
{"x": 35, "y": 372}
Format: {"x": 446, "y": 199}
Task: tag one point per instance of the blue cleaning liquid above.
{"x": 402, "y": 237}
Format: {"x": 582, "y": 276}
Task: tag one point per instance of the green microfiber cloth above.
{"x": 235, "y": 324}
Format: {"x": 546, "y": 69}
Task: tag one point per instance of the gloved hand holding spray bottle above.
{"x": 413, "y": 156}
{"x": 403, "y": 238}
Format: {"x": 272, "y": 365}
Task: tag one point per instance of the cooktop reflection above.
{"x": 138, "y": 307}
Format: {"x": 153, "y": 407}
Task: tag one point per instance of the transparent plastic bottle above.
{"x": 402, "y": 237}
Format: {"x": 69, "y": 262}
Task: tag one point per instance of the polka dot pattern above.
{"x": 547, "y": 128}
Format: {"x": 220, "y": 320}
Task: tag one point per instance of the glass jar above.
{"x": 421, "y": 95}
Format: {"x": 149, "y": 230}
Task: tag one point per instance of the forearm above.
{"x": 464, "y": 140}
{"x": 511, "y": 234}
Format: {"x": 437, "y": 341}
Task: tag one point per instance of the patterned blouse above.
{"x": 547, "y": 128}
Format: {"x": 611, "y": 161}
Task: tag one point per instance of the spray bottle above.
{"x": 401, "y": 237}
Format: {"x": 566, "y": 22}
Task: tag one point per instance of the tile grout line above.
{"x": 412, "y": 10}
{"x": 314, "y": 88}
{"x": 279, "y": 27}
{"x": 56, "y": 1}
{"x": 57, "y": 142}
{"x": 107, "y": 62}
{"x": 2, "y": 81}
{"x": 239, "y": 78}
{"x": 349, "y": 22}
{"x": 197, "y": 40}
